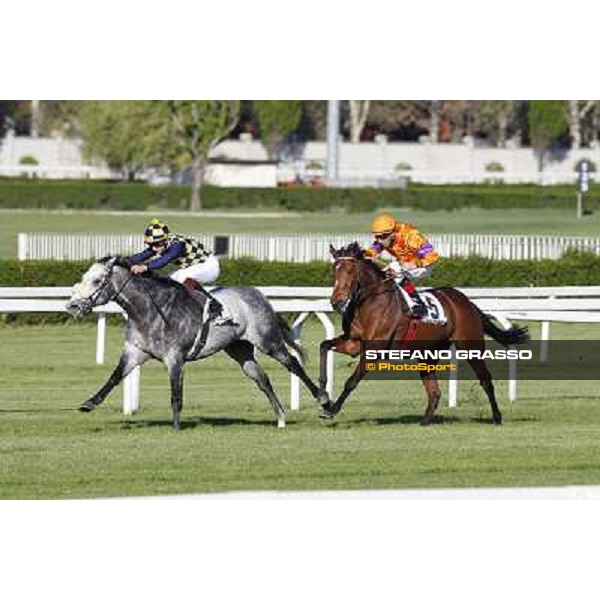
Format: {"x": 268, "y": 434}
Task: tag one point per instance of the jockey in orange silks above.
{"x": 404, "y": 254}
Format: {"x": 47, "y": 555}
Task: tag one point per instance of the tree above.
{"x": 494, "y": 117}
{"x": 578, "y": 110}
{"x": 197, "y": 126}
{"x": 128, "y": 135}
{"x": 359, "y": 110}
{"x": 277, "y": 119}
{"x": 59, "y": 117}
{"x": 547, "y": 121}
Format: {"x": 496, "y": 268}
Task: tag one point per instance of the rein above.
{"x": 160, "y": 312}
{"x": 92, "y": 298}
{"x": 355, "y": 294}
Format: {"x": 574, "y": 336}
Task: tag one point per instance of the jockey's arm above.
{"x": 383, "y": 260}
{"x": 140, "y": 257}
{"x": 173, "y": 252}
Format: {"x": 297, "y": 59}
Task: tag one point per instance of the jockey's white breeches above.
{"x": 205, "y": 272}
{"x": 412, "y": 274}
{"x": 418, "y": 272}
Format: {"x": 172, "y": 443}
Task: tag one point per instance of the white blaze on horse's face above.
{"x": 90, "y": 282}
{"x": 342, "y": 289}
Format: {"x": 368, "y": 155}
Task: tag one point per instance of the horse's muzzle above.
{"x": 340, "y": 306}
{"x": 78, "y": 308}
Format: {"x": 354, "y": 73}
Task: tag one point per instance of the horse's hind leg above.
{"x": 175, "y": 366}
{"x": 430, "y": 383}
{"x": 282, "y": 355}
{"x": 485, "y": 379}
{"x": 131, "y": 357}
{"x": 243, "y": 353}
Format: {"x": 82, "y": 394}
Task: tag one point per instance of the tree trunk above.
{"x": 574, "y": 125}
{"x": 359, "y": 110}
{"x": 502, "y": 127}
{"x": 434, "y": 133}
{"x": 197, "y": 180}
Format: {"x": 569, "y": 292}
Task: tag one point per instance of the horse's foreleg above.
{"x": 292, "y": 364}
{"x": 131, "y": 357}
{"x": 352, "y": 348}
{"x": 324, "y": 348}
{"x": 175, "y": 366}
{"x": 430, "y": 383}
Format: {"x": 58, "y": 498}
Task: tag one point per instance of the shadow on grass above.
{"x": 406, "y": 420}
{"x": 194, "y": 422}
{"x": 38, "y": 410}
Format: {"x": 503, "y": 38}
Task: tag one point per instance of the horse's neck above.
{"x": 373, "y": 287}
{"x": 133, "y": 296}
{"x": 370, "y": 282}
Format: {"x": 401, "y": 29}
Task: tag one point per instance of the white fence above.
{"x": 576, "y": 304}
{"x": 303, "y": 247}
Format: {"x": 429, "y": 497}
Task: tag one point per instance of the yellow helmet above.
{"x": 384, "y": 223}
{"x": 156, "y": 231}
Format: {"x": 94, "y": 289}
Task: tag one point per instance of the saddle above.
{"x": 435, "y": 311}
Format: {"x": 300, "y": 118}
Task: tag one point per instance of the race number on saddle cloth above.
{"x": 405, "y": 254}
{"x": 197, "y": 265}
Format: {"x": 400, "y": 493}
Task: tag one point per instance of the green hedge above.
{"x": 17, "y": 193}
{"x": 573, "y": 269}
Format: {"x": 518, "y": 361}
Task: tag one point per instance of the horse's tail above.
{"x": 506, "y": 337}
{"x": 288, "y": 337}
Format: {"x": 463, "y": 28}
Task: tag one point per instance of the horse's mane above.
{"x": 125, "y": 263}
{"x": 355, "y": 250}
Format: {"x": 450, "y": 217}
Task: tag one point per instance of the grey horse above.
{"x": 165, "y": 322}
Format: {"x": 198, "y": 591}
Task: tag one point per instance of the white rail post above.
{"x": 131, "y": 392}
{"x": 294, "y": 379}
{"x": 101, "y": 338}
{"x": 453, "y": 382}
{"x": 544, "y": 337}
{"x": 329, "y": 334}
{"x": 22, "y": 246}
{"x": 512, "y": 363}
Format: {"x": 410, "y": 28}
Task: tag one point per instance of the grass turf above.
{"x": 229, "y": 440}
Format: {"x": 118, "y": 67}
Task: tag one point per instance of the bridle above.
{"x": 89, "y": 302}
{"x": 354, "y": 297}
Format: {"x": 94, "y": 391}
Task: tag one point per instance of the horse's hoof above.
{"x": 87, "y": 407}
{"x": 327, "y": 411}
{"x": 323, "y": 398}
{"x": 497, "y": 420}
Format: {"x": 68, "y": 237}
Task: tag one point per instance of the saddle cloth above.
{"x": 435, "y": 310}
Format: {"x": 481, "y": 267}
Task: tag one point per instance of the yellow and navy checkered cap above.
{"x": 156, "y": 231}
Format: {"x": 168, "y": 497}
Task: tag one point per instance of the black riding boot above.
{"x": 418, "y": 309}
{"x": 215, "y": 308}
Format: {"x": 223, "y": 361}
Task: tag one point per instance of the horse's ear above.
{"x": 110, "y": 263}
{"x": 332, "y": 251}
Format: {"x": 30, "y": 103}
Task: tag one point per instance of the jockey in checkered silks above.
{"x": 197, "y": 264}
{"x": 404, "y": 254}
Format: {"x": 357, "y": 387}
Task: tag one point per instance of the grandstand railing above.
{"x": 303, "y": 247}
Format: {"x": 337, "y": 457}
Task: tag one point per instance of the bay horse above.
{"x": 165, "y": 322}
{"x": 373, "y": 308}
